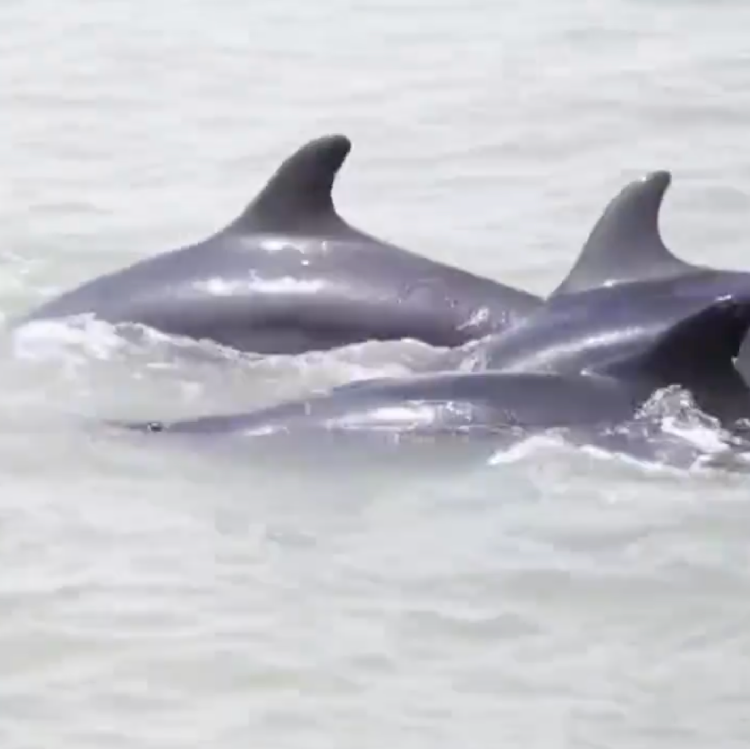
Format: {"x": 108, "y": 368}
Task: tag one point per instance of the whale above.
{"x": 696, "y": 354}
{"x": 289, "y": 275}
{"x": 625, "y": 288}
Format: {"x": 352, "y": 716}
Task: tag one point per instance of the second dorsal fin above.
{"x": 625, "y": 244}
{"x": 299, "y": 192}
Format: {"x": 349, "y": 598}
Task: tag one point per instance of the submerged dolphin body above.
{"x": 696, "y": 353}
{"x": 290, "y": 275}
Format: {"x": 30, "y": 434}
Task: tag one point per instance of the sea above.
{"x": 165, "y": 596}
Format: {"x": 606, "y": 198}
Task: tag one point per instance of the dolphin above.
{"x": 625, "y": 288}
{"x": 289, "y": 275}
{"x": 696, "y": 353}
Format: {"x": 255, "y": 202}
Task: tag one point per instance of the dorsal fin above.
{"x": 625, "y": 244}
{"x": 698, "y": 354}
{"x": 299, "y": 192}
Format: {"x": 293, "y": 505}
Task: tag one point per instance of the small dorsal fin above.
{"x": 697, "y": 353}
{"x": 625, "y": 244}
{"x": 299, "y": 192}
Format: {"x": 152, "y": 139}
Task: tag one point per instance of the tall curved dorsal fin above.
{"x": 299, "y": 192}
{"x": 625, "y": 244}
